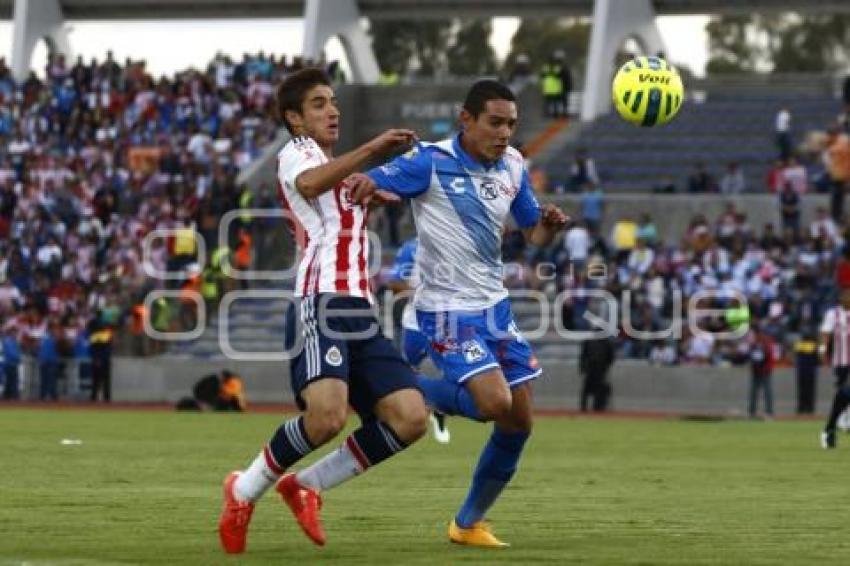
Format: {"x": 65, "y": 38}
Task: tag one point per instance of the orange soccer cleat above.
{"x": 235, "y": 516}
{"x": 479, "y": 534}
{"x": 305, "y": 504}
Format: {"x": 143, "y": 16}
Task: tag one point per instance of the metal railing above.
{"x": 73, "y": 379}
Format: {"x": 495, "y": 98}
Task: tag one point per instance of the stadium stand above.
{"x": 104, "y": 154}
{"x": 95, "y": 157}
{"x": 718, "y": 111}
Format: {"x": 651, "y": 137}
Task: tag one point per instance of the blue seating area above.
{"x": 722, "y": 121}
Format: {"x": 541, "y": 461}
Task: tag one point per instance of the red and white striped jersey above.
{"x": 330, "y": 230}
{"x": 837, "y": 323}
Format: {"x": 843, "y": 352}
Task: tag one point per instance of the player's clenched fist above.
{"x": 391, "y": 141}
{"x": 361, "y": 186}
{"x": 552, "y": 216}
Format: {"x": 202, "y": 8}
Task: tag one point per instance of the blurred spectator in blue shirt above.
{"x": 11, "y": 359}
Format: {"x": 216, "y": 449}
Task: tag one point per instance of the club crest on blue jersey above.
{"x": 488, "y": 190}
{"x": 472, "y": 351}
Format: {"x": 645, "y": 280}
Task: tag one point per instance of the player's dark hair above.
{"x": 291, "y": 92}
{"x": 484, "y": 90}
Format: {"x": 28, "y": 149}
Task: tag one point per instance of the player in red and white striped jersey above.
{"x": 326, "y": 202}
{"x": 835, "y": 335}
{"x": 330, "y": 228}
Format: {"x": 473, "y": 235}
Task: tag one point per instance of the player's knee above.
{"x": 495, "y": 407}
{"x": 519, "y": 423}
{"x": 416, "y": 424}
{"x": 410, "y": 421}
{"x": 324, "y": 423}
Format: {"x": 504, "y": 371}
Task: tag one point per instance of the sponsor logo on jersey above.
{"x": 389, "y": 169}
{"x": 509, "y": 192}
{"x": 442, "y": 347}
{"x": 414, "y": 151}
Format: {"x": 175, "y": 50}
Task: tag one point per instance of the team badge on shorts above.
{"x": 472, "y": 351}
{"x": 333, "y": 356}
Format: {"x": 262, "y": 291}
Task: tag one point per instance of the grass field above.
{"x": 144, "y": 488}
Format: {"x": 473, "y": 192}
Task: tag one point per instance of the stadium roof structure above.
{"x": 613, "y": 22}
{"x": 401, "y": 9}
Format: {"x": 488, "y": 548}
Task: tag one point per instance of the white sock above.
{"x": 253, "y": 482}
{"x": 330, "y": 471}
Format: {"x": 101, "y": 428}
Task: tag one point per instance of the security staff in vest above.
{"x": 211, "y": 285}
{"x": 246, "y": 201}
{"x": 551, "y": 87}
{"x": 566, "y": 84}
{"x": 185, "y": 246}
{"x": 807, "y": 371}
{"x": 100, "y": 339}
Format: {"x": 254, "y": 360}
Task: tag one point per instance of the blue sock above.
{"x": 449, "y": 398}
{"x": 496, "y": 467}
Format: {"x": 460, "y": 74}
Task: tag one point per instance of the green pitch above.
{"x": 144, "y": 488}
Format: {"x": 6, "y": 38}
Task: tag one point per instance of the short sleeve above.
{"x": 408, "y": 175}
{"x": 828, "y": 324}
{"x": 525, "y": 209}
{"x": 299, "y": 155}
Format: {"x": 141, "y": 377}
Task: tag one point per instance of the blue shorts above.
{"x": 467, "y": 343}
{"x": 414, "y": 346}
{"x": 339, "y": 337}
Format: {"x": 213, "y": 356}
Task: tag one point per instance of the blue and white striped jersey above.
{"x": 460, "y": 208}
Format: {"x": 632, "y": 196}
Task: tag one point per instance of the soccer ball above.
{"x": 647, "y": 91}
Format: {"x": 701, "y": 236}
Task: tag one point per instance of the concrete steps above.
{"x": 723, "y": 121}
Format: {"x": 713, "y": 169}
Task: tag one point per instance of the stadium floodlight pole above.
{"x": 324, "y": 19}
{"x": 35, "y": 20}
{"x": 613, "y": 22}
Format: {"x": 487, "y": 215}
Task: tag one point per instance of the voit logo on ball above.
{"x": 647, "y": 91}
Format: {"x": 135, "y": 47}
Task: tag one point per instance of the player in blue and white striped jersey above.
{"x": 462, "y": 191}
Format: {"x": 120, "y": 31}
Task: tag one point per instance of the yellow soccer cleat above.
{"x": 479, "y": 534}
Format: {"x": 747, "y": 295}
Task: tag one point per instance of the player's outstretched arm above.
{"x": 406, "y": 176}
{"x": 315, "y": 181}
{"x": 552, "y": 220}
{"x": 364, "y": 191}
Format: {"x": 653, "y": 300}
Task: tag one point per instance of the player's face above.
{"x": 319, "y": 116}
{"x": 488, "y": 135}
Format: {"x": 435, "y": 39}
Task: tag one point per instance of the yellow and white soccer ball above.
{"x": 647, "y": 91}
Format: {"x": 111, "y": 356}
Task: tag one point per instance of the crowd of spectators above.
{"x": 96, "y": 155}
{"x": 787, "y": 273}
{"x": 786, "y": 278}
